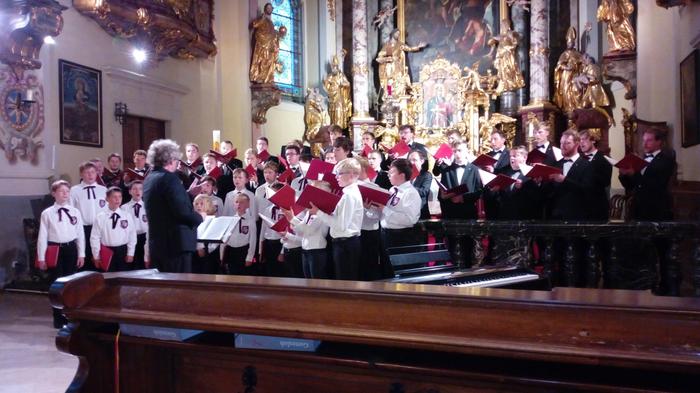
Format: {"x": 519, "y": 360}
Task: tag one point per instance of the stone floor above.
{"x": 29, "y": 360}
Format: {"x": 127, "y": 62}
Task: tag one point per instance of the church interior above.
{"x": 604, "y": 300}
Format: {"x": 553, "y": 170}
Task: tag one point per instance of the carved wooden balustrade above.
{"x": 611, "y": 255}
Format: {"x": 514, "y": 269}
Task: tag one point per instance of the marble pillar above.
{"x": 539, "y": 104}
{"x": 360, "y": 73}
{"x": 539, "y": 52}
{"x": 521, "y": 25}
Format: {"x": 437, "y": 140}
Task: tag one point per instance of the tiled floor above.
{"x": 29, "y": 360}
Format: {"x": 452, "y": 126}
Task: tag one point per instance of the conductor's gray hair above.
{"x": 162, "y": 152}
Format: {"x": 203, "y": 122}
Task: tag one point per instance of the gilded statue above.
{"x": 509, "y": 75}
{"x": 315, "y": 113}
{"x": 591, "y": 83}
{"x": 616, "y": 14}
{"x": 266, "y": 48}
{"x": 392, "y": 64}
{"x": 338, "y": 88}
{"x": 567, "y": 93}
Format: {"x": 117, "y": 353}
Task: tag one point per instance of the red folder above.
{"x": 535, "y": 157}
{"x": 106, "y": 254}
{"x": 283, "y": 162}
{"x": 452, "y": 192}
{"x": 484, "y": 160}
{"x": 225, "y": 158}
{"x": 133, "y": 175}
{"x": 284, "y": 197}
{"x": 51, "y": 257}
{"x": 414, "y": 172}
{"x": 376, "y": 195}
{"x": 331, "y": 179}
{"x": 281, "y": 226}
{"x": 195, "y": 188}
{"x": 286, "y": 177}
{"x": 215, "y": 173}
{"x": 371, "y": 173}
{"x": 318, "y": 168}
{"x": 632, "y": 161}
{"x": 542, "y": 171}
{"x": 444, "y": 151}
{"x": 194, "y": 164}
{"x": 399, "y": 149}
{"x": 490, "y": 180}
{"x": 250, "y": 171}
{"x": 324, "y": 200}
{"x": 264, "y": 155}
{"x": 366, "y": 150}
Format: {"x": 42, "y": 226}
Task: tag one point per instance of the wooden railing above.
{"x": 611, "y": 255}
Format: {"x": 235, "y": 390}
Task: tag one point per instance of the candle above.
{"x": 388, "y": 89}
{"x": 30, "y": 95}
{"x": 531, "y": 129}
{"x": 53, "y": 157}
{"x": 216, "y": 139}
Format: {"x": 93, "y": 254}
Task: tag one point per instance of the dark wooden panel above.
{"x": 131, "y": 139}
{"x": 378, "y": 337}
{"x": 151, "y": 130}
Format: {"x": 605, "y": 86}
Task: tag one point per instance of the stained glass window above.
{"x": 287, "y": 13}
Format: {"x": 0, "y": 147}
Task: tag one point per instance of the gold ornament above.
{"x": 392, "y": 64}
{"x": 266, "y": 41}
{"x": 616, "y": 14}
{"x": 509, "y": 75}
{"x": 338, "y": 88}
{"x": 567, "y": 93}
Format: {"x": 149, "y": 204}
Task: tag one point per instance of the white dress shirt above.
{"x": 370, "y": 220}
{"x": 313, "y": 231}
{"x": 113, "y": 229}
{"x": 244, "y": 234}
{"x": 261, "y": 198}
{"x": 649, "y": 157}
{"x": 137, "y": 211}
{"x": 403, "y": 209}
{"x": 274, "y": 213}
{"x": 90, "y": 199}
{"x": 568, "y": 164}
{"x": 60, "y": 224}
{"x": 346, "y": 220}
{"x": 229, "y": 209}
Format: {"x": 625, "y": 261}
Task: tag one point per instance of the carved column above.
{"x": 539, "y": 65}
{"x": 360, "y": 74}
{"x": 521, "y": 26}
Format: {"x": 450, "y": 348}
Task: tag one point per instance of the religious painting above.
{"x": 80, "y": 95}
{"x": 440, "y": 107}
{"x": 690, "y": 99}
{"x": 457, "y": 30}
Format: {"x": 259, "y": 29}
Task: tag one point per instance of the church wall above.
{"x": 664, "y": 40}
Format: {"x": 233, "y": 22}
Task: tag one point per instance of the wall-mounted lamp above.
{"x": 120, "y": 112}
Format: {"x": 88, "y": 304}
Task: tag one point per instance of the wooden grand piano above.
{"x": 377, "y": 337}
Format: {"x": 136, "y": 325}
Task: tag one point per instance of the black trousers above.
{"x": 315, "y": 263}
{"x": 89, "y": 263}
{"x": 346, "y": 258}
{"x": 370, "y": 266}
{"x": 181, "y": 263}
{"x": 65, "y": 266}
{"x": 139, "y": 254}
{"x": 395, "y": 238}
{"x": 234, "y": 259}
{"x": 208, "y": 264}
{"x": 118, "y": 263}
{"x": 273, "y": 267}
{"x": 292, "y": 258}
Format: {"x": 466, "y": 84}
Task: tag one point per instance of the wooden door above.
{"x": 138, "y": 133}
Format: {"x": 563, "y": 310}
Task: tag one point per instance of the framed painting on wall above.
{"x": 459, "y": 31}
{"x": 80, "y": 101}
{"x": 690, "y": 99}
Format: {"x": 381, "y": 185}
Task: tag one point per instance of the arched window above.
{"x": 288, "y": 13}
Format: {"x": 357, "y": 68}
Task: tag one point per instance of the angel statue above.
{"x": 616, "y": 14}
{"x": 338, "y": 88}
{"x": 315, "y": 113}
{"x": 266, "y": 41}
{"x": 392, "y": 64}
{"x": 506, "y": 64}
{"x": 590, "y": 82}
{"x": 567, "y": 93}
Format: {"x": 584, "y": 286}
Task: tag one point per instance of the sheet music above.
{"x": 216, "y": 229}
